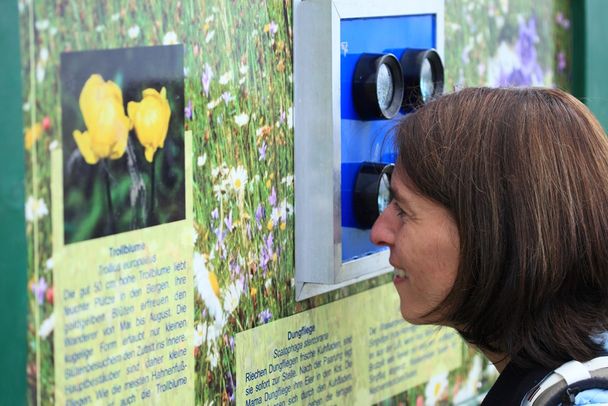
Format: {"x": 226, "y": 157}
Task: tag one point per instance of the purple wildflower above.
{"x": 270, "y": 243}
{"x": 267, "y": 251}
{"x": 39, "y": 289}
{"x": 273, "y": 28}
{"x": 561, "y": 61}
{"x": 230, "y": 386}
{"x": 188, "y": 110}
{"x": 272, "y": 199}
{"x": 235, "y": 268}
{"x": 227, "y": 97}
{"x": 220, "y": 238}
{"x": 529, "y": 72}
{"x": 516, "y": 77}
{"x": 228, "y": 222}
{"x": 262, "y": 151}
{"x": 562, "y": 21}
{"x": 259, "y": 215}
{"x": 264, "y": 259}
{"x": 215, "y": 214}
{"x": 525, "y": 46}
{"x": 265, "y": 316}
{"x": 206, "y": 78}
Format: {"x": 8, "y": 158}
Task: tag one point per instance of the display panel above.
{"x": 238, "y": 100}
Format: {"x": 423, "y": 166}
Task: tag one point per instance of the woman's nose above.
{"x": 382, "y": 231}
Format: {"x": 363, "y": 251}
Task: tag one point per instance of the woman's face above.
{"x": 424, "y": 250}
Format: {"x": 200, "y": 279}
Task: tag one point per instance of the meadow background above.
{"x": 238, "y": 103}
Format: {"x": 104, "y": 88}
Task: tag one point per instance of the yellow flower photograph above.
{"x": 123, "y": 140}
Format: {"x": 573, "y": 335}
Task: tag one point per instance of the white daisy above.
{"x": 40, "y": 72}
{"x": 232, "y": 297}
{"x": 290, "y": 118}
{"x": 133, "y": 32}
{"x": 213, "y": 355}
{"x": 286, "y": 209}
{"x": 207, "y": 287}
{"x": 276, "y": 215}
{"x": 241, "y": 119}
{"x": 209, "y": 36}
{"x": 194, "y": 235}
{"x": 436, "y": 389}
{"x": 225, "y": 78}
{"x": 170, "y": 38}
{"x": 201, "y": 160}
{"x": 42, "y": 25}
{"x": 35, "y": 209}
{"x": 214, "y": 330}
{"x": 199, "y": 335}
{"x": 237, "y": 179}
{"x": 213, "y": 104}
{"x": 287, "y": 180}
{"x": 44, "y": 54}
{"x": 47, "y": 326}
{"x": 219, "y": 190}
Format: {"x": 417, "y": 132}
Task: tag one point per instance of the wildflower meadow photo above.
{"x": 123, "y": 142}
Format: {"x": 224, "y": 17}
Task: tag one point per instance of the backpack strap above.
{"x": 565, "y": 382}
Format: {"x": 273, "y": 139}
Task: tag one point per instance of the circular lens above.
{"x": 377, "y": 86}
{"x": 384, "y": 87}
{"x": 422, "y": 77}
{"x": 372, "y": 192}
{"x": 427, "y": 85}
{"x": 384, "y": 194}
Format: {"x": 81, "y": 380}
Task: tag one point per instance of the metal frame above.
{"x": 319, "y": 266}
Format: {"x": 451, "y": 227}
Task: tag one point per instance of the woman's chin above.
{"x": 420, "y": 318}
{"x": 412, "y": 317}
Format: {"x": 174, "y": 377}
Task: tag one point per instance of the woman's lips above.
{"x": 399, "y": 275}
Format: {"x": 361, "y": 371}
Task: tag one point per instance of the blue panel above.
{"x": 370, "y": 140}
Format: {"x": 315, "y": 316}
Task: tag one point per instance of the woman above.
{"x": 499, "y": 228}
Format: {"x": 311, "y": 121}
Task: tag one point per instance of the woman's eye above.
{"x": 400, "y": 212}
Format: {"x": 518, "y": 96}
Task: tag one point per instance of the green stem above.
{"x": 109, "y": 198}
{"x": 151, "y": 218}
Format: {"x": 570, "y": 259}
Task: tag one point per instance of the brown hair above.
{"x": 524, "y": 173}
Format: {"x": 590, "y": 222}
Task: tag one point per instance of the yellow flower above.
{"x": 214, "y": 284}
{"x": 150, "y": 117}
{"x": 107, "y": 125}
{"x": 32, "y": 134}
